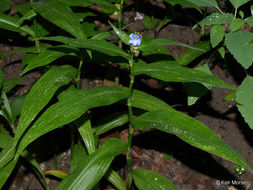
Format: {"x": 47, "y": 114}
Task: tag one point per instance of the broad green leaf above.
{"x": 115, "y": 179}
{"x": 206, "y": 3}
{"x": 5, "y": 137}
{"x": 61, "y": 15}
{"x": 238, "y": 3}
{"x": 56, "y": 173}
{"x": 16, "y": 105}
{"x": 217, "y": 34}
{"x": 189, "y": 130}
{"x": 194, "y": 92}
{"x": 101, "y": 36}
{"x": 222, "y": 52}
{"x": 90, "y": 29}
{"x": 6, "y": 172}
{"x": 86, "y": 133}
{"x": 10, "y": 23}
{"x": 5, "y": 5}
{"x": 23, "y": 8}
{"x": 95, "y": 166}
{"x": 182, "y": 2}
{"x": 117, "y": 121}
{"x": 6, "y": 110}
{"x": 231, "y": 96}
{"x": 122, "y": 35}
{"x": 78, "y": 154}
{"x": 161, "y": 42}
{"x": 249, "y": 21}
{"x": 79, "y": 3}
{"x": 41, "y": 93}
{"x": 244, "y": 100}
{"x": 150, "y": 23}
{"x": 71, "y": 107}
{"x": 9, "y": 83}
{"x": 47, "y": 56}
{"x": 190, "y": 54}
{"x": 149, "y": 180}
{"x": 170, "y": 71}
{"x": 110, "y": 8}
{"x": 30, "y": 14}
{"x": 236, "y": 24}
{"x": 237, "y": 44}
{"x": 98, "y": 45}
{"x": 147, "y": 102}
{"x": 217, "y": 18}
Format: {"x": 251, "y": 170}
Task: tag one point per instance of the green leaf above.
{"x": 182, "y": 2}
{"x": 5, "y": 137}
{"x": 222, "y": 52}
{"x": 117, "y": 121}
{"x": 164, "y": 22}
{"x": 145, "y": 45}
{"x": 71, "y": 107}
{"x": 189, "y": 130}
{"x": 94, "y": 167}
{"x": 238, "y": 3}
{"x": 194, "y": 92}
{"x": 115, "y": 179}
{"x": 10, "y": 23}
{"x": 236, "y": 24}
{"x": 217, "y": 18}
{"x": 30, "y": 14}
{"x": 150, "y": 23}
{"x": 86, "y": 133}
{"x": 147, "y": 102}
{"x": 78, "y": 154}
{"x": 231, "y": 96}
{"x": 244, "y": 100}
{"x": 190, "y": 54}
{"x": 5, "y": 5}
{"x": 237, "y": 44}
{"x": 61, "y": 15}
{"x": 6, "y": 172}
{"x": 149, "y": 180}
{"x": 110, "y": 8}
{"x": 217, "y": 34}
{"x": 98, "y": 45}
{"x": 170, "y": 71}
{"x": 47, "y": 56}
{"x": 249, "y": 21}
{"x": 9, "y": 83}
{"x": 206, "y": 3}
{"x": 16, "y": 106}
{"x": 122, "y": 35}
{"x": 77, "y": 3}
{"x": 101, "y": 36}
{"x": 41, "y": 93}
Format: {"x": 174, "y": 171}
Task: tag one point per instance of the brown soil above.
{"x": 189, "y": 168}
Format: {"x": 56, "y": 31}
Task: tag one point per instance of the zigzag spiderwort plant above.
{"x": 40, "y": 116}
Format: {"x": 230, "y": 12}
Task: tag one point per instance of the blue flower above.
{"x": 135, "y": 39}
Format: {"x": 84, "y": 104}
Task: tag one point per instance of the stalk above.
{"x": 79, "y": 74}
{"x": 131, "y": 128}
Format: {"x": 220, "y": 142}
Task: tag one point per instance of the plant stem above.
{"x": 79, "y": 74}
{"x": 131, "y": 128}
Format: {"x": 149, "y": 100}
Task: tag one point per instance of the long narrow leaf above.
{"x": 189, "y": 130}
{"x": 92, "y": 170}
{"x": 170, "y": 71}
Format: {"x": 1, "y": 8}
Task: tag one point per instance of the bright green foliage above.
{"x": 191, "y": 54}
{"x": 94, "y": 167}
{"x": 216, "y": 35}
{"x": 9, "y": 83}
{"x": 115, "y": 179}
{"x": 244, "y": 100}
{"x": 236, "y": 24}
{"x": 207, "y": 3}
{"x": 5, "y": 5}
{"x": 217, "y": 18}
{"x": 170, "y": 71}
{"x": 61, "y": 15}
{"x": 150, "y": 23}
{"x": 149, "y": 180}
{"x": 238, "y": 3}
{"x": 190, "y": 131}
{"x": 237, "y": 43}
{"x": 122, "y": 35}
